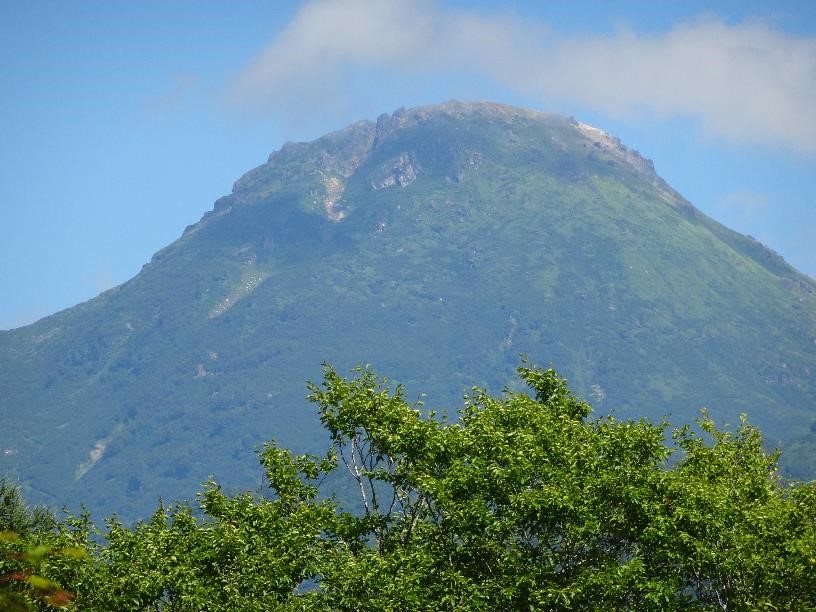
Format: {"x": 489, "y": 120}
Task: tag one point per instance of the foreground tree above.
{"x": 34, "y": 548}
{"x": 523, "y": 503}
{"x": 528, "y": 504}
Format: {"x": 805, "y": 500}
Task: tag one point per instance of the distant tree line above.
{"x": 525, "y": 502}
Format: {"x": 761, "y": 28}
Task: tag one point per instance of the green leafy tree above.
{"x": 527, "y": 503}
{"x": 524, "y": 502}
{"x": 34, "y": 549}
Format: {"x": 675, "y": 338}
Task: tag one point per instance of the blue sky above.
{"x": 122, "y": 122}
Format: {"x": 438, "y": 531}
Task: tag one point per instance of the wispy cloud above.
{"x": 179, "y": 91}
{"x": 747, "y": 83}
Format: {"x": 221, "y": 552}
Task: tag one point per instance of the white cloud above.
{"x": 747, "y": 83}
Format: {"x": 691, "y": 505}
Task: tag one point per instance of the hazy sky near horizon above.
{"x": 123, "y": 122}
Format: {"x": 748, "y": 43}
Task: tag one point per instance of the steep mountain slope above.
{"x": 437, "y": 244}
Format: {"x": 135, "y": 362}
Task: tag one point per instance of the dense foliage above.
{"x": 526, "y": 502}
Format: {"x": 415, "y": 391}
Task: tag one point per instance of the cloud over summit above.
{"x": 747, "y": 83}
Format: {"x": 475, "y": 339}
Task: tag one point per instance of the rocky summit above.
{"x": 438, "y": 244}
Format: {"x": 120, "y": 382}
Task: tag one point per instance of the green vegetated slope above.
{"x": 437, "y": 243}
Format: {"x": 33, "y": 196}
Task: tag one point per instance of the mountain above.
{"x": 438, "y": 244}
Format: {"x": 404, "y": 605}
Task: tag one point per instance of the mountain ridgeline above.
{"x": 437, "y": 244}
